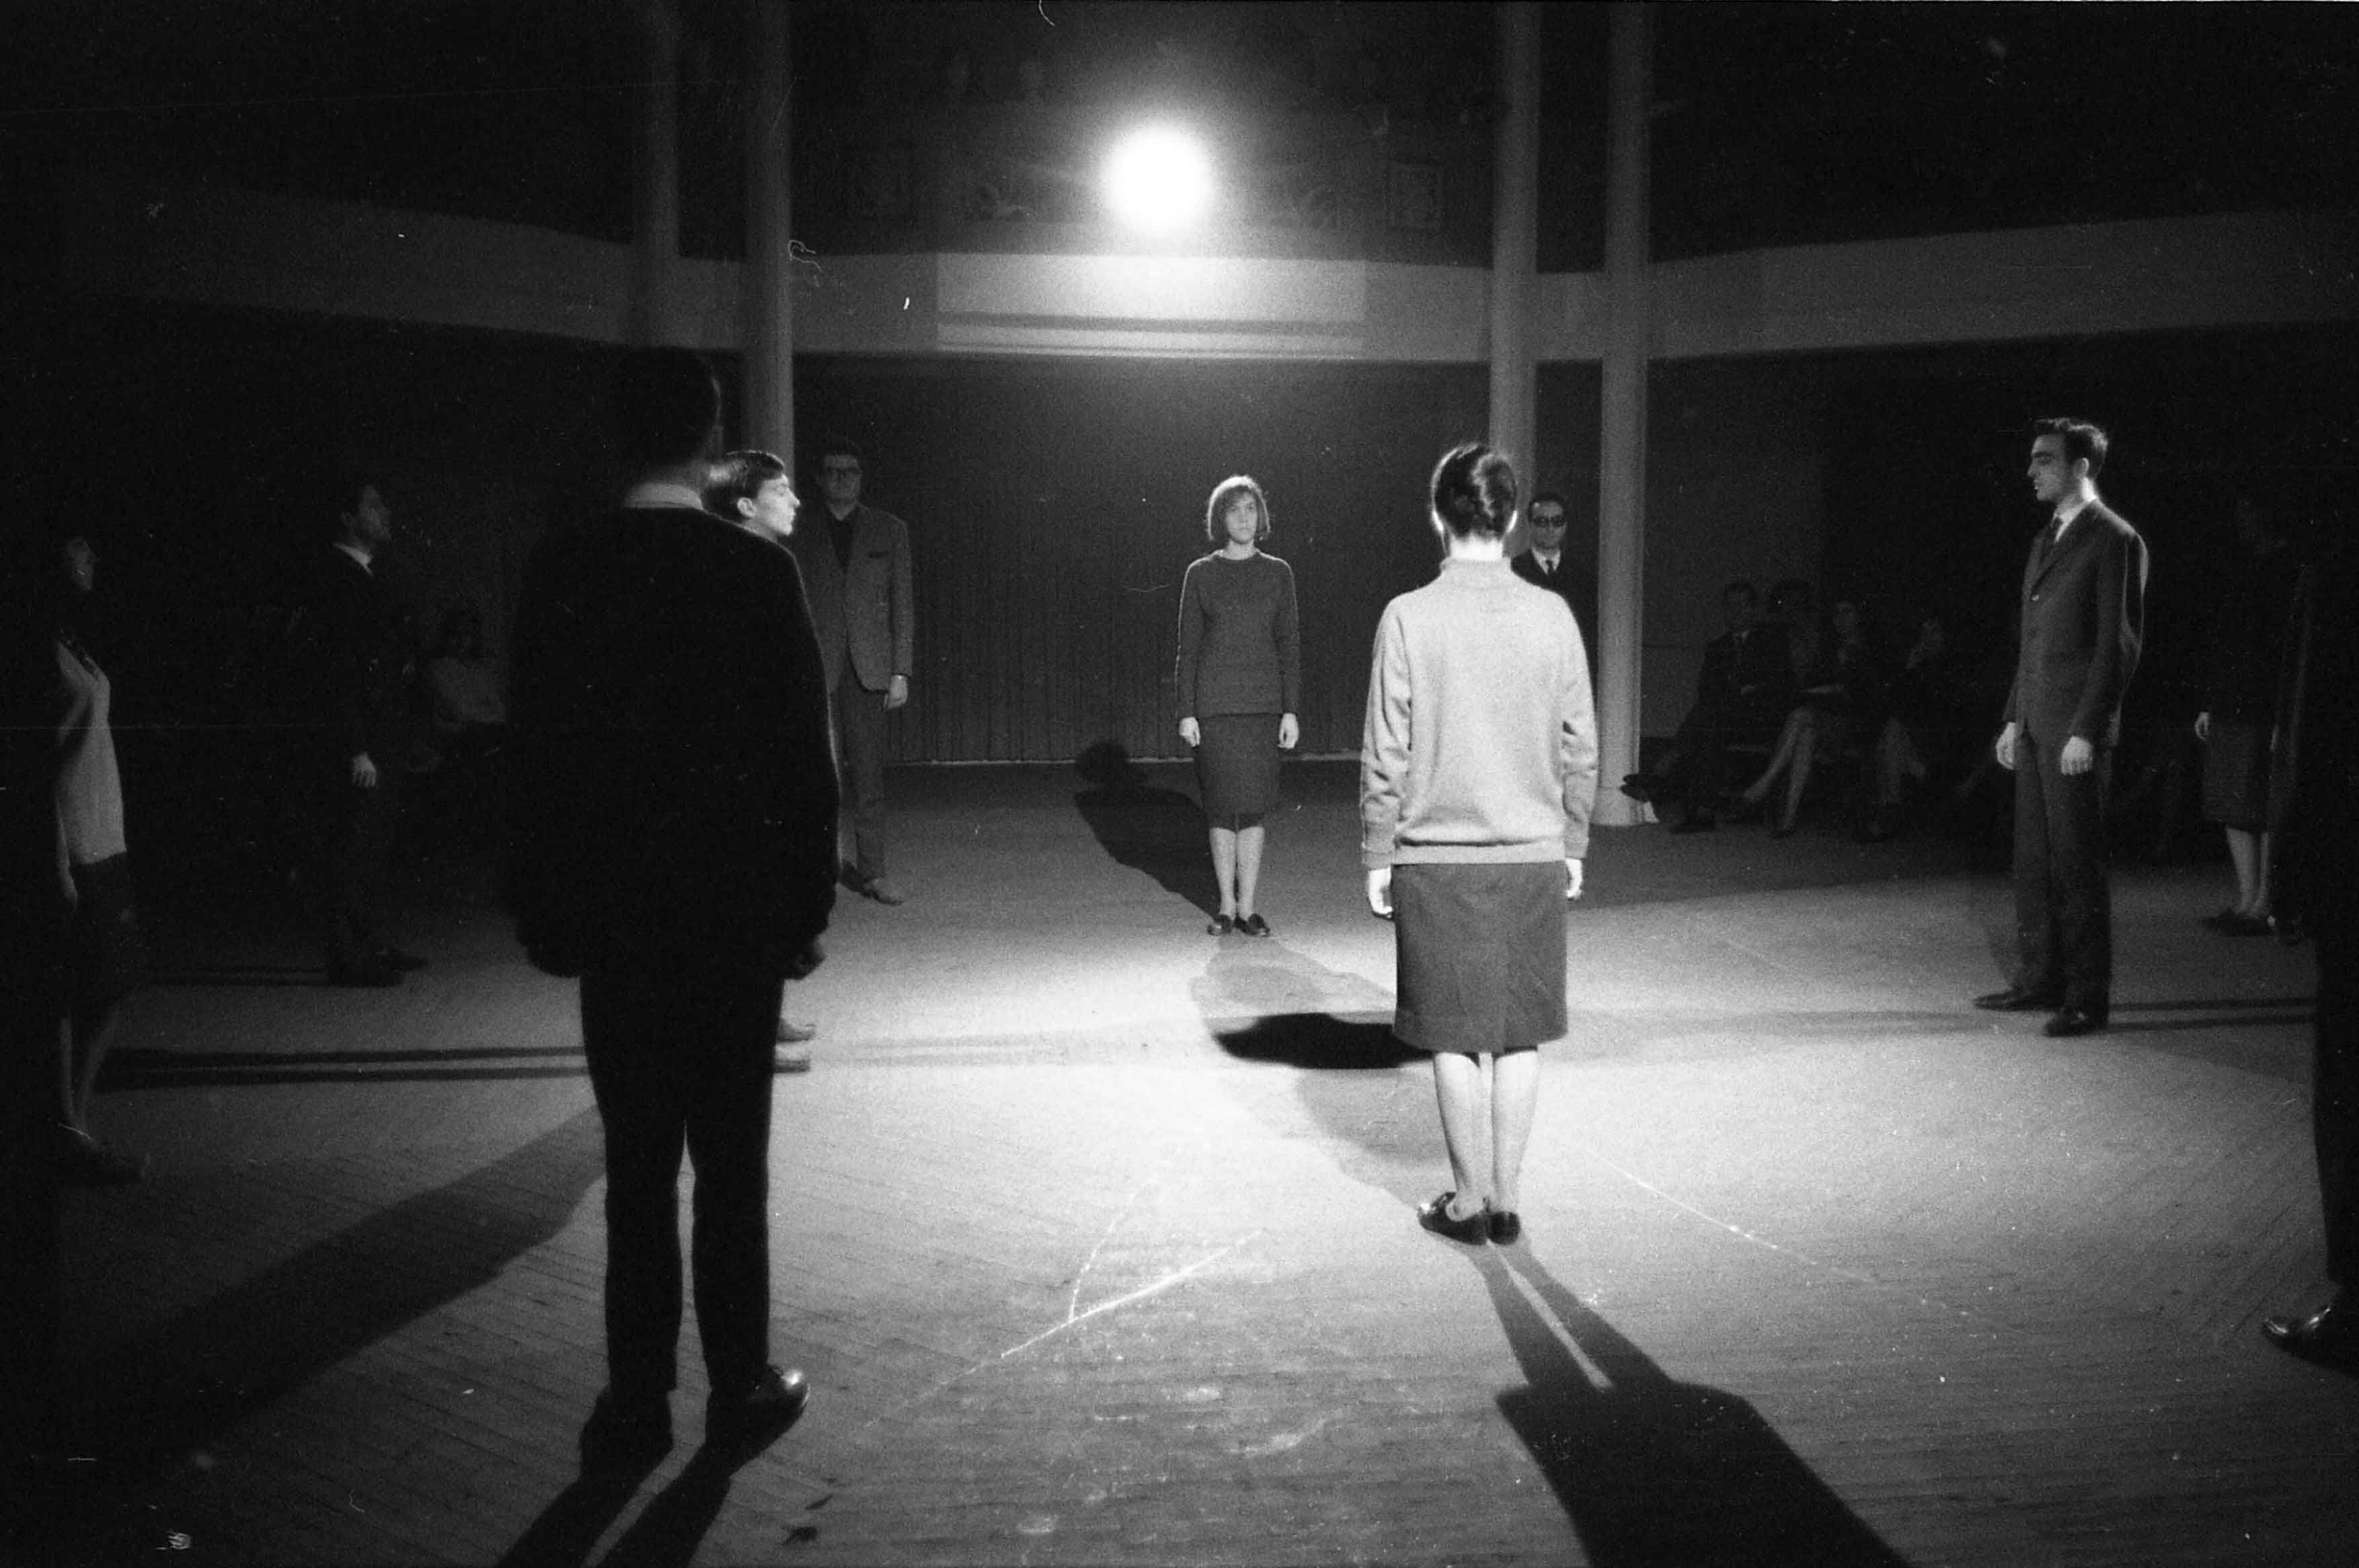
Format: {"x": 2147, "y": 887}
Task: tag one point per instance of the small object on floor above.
{"x": 616, "y": 1440}
{"x": 1252, "y": 925}
{"x": 84, "y": 1162}
{"x": 790, "y": 1058}
{"x": 395, "y": 958}
{"x": 882, "y": 891}
{"x": 2018, "y": 999}
{"x": 1474, "y": 1230}
{"x": 2071, "y": 1021}
{"x": 1696, "y": 822}
{"x": 2327, "y": 1337}
{"x": 1221, "y": 925}
{"x": 366, "y": 974}
{"x": 1506, "y": 1227}
{"x": 792, "y": 1033}
{"x": 759, "y": 1414}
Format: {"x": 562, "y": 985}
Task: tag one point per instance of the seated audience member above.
{"x": 1742, "y": 694}
{"x": 1930, "y": 727}
{"x": 1842, "y": 697}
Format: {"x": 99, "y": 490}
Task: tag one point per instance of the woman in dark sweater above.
{"x": 1477, "y": 771}
{"x": 1239, "y": 688}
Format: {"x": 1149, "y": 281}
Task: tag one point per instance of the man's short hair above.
{"x": 336, "y": 491}
{"x": 835, "y": 446}
{"x": 665, "y": 406}
{"x": 1549, "y": 498}
{"x": 740, "y": 476}
{"x": 2082, "y": 439}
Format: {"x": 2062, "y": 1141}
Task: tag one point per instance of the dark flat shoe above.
{"x": 2071, "y": 1021}
{"x": 1222, "y": 925}
{"x": 1253, "y": 925}
{"x": 758, "y": 1414}
{"x": 1506, "y": 1227}
{"x": 1474, "y": 1230}
{"x": 2329, "y": 1336}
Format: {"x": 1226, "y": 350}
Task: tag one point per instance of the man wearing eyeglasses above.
{"x": 1545, "y": 564}
{"x": 855, "y": 568}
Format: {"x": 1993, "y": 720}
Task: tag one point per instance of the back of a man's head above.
{"x": 666, "y": 406}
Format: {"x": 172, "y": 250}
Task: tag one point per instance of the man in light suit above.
{"x": 1544, "y": 564}
{"x": 2083, "y": 610}
{"x": 855, "y": 566}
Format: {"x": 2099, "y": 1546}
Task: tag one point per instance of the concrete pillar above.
{"x": 769, "y": 342}
{"x": 1622, "y": 461}
{"x": 1514, "y": 236}
{"x": 655, "y": 179}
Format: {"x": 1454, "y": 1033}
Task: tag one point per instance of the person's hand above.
{"x": 364, "y": 772}
{"x": 1572, "y": 878}
{"x": 1380, "y": 891}
{"x": 897, "y": 693}
{"x": 1191, "y": 732}
{"x": 2203, "y": 726}
{"x": 1288, "y": 730}
{"x": 2005, "y": 749}
{"x": 2078, "y": 756}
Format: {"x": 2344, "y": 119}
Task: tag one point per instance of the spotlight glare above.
{"x": 1158, "y": 180}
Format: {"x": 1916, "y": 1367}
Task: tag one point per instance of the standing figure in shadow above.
{"x": 1478, "y": 764}
{"x": 1239, "y": 689}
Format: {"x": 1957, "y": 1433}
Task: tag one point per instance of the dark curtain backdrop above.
{"x": 1053, "y": 507}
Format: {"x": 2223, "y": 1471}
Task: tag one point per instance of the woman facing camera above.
{"x": 1239, "y": 687}
{"x": 1477, "y": 768}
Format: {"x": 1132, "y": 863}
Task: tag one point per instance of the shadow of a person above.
{"x": 1653, "y": 1471}
{"x": 1265, "y": 1002}
{"x": 1159, "y": 832}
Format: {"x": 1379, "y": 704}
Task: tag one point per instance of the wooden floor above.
{"x": 1095, "y": 1234}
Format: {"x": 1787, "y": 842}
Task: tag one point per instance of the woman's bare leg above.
{"x": 1224, "y": 867}
{"x": 1515, "y": 1095}
{"x": 1249, "y": 841}
{"x": 1459, "y": 1083}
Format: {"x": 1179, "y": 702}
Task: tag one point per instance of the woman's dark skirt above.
{"x": 106, "y": 958}
{"x": 1479, "y": 955}
{"x": 1237, "y": 765}
{"x": 2241, "y": 790}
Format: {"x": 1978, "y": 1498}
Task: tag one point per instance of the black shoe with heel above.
{"x": 1474, "y": 1230}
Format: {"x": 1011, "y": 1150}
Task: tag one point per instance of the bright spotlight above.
{"x": 1158, "y": 180}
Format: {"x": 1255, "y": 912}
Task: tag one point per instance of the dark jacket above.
{"x": 1747, "y": 682}
{"x": 2083, "y": 609}
{"x": 863, "y": 607}
{"x": 1570, "y": 583}
{"x": 673, "y": 797}
{"x": 353, "y": 662}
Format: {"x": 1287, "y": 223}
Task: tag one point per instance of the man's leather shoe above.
{"x": 790, "y": 1058}
{"x": 616, "y": 1440}
{"x": 882, "y": 891}
{"x": 2070, "y": 1020}
{"x": 756, "y": 1415}
{"x": 2018, "y": 999}
{"x": 1641, "y": 787}
{"x": 791, "y": 1033}
{"x": 2329, "y": 1336}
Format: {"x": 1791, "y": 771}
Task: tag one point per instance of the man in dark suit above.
{"x": 2084, "y": 620}
{"x": 857, "y": 565}
{"x": 1544, "y": 564}
{"x": 671, "y": 842}
{"x": 1742, "y": 694}
{"x": 355, "y": 661}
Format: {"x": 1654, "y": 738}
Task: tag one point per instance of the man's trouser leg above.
{"x": 860, "y": 740}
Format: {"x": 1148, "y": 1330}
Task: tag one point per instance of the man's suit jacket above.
{"x": 673, "y": 796}
{"x": 1568, "y": 583}
{"x": 863, "y": 607}
{"x": 2083, "y": 608}
{"x": 1749, "y": 682}
{"x": 353, "y": 662}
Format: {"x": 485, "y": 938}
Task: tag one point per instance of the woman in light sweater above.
{"x": 1477, "y": 768}
{"x": 1239, "y": 687}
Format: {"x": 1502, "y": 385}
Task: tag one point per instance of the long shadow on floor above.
{"x": 665, "y": 1535}
{"x": 133, "y": 1070}
{"x": 1146, "y": 828}
{"x": 155, "y": 1403}
{"x": 1650, "y": 1470}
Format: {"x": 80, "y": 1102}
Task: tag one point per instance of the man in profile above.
{"x": 2083, "y": 611}
{"x": 671, "y": 842}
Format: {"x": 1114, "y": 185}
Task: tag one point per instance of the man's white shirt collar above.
{"x": 2066, "y": 513}
{"x": 357, "y": 554}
